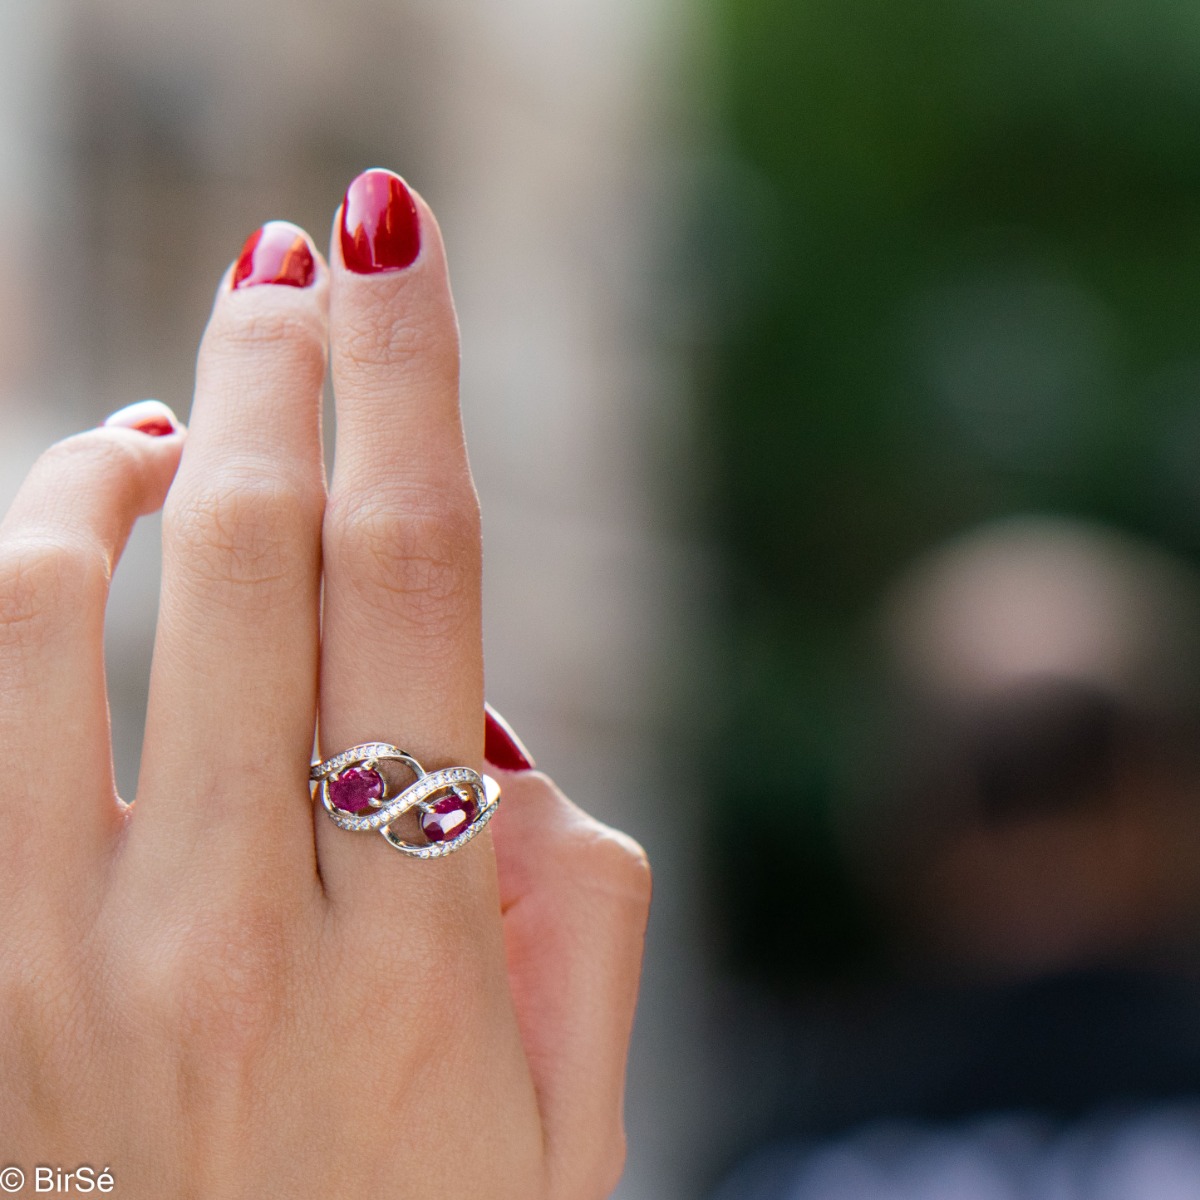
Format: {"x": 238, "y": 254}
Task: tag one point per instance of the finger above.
{"x": 232, "y": 691}
{"x": 59, "y": 544}
{"x": 575, "y": 896}
{"x": 401, "y": 652}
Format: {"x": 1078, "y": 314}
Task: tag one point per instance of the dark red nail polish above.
{"x": 151, "y": 417}
{"x": 381, "y": 228}
{"x": 279, "y": 252}
{"x": 501, "y": 747}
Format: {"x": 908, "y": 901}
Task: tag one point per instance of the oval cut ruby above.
{"x": 355, "y": 788}
{"x": 448, "y": 817}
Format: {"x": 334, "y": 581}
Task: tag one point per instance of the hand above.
{"x": 215, "y": 991}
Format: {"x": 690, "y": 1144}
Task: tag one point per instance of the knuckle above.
{"x": 611, "y": 861}
{"x": 298, "y": 330}
{"x": 95, "y": 453}
{"x": 243, "y": 532}
{"x": 436, "y": 989}
{"x": 45, "y": 582}
{"x": 411, "y": 561}
{"x": 222, "y": 982}
{"x": 45, "y": 1006}
{"x": 422, "y": 341}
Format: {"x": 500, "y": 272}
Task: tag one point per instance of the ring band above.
{"x": 452, "y": 804}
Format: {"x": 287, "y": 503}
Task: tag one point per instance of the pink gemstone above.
{"x": 354, "y": 789}
{"x": 450, "y": 816}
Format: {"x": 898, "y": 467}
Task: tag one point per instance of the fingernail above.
{"x": 279, "y": 252}
{"x": 501, "y": 747}
{"x": 381, "y": 228}
{"x": 146, "y": 416}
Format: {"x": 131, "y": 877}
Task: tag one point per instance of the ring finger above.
{"x": 402, "y": 657}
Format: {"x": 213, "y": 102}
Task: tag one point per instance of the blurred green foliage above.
{"x": 956, "y": 254}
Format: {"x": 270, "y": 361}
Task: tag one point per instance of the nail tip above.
{"x": 277, "y": 253}
{"x": 380, "y": 224}
{"x": 502, "y": 747}
{"x": 151, "y": 417}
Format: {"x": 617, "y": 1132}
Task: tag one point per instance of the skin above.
{"x": 215, "y": 992}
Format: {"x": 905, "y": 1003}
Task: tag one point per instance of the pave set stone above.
{"x": 356, "y": 754}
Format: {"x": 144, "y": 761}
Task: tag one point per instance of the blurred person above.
{"x": 220, "y": 988}
{"x": 1035, "y": 853}
{"x": 1048, "y": 677}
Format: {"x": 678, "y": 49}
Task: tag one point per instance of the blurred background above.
{"x": 832, "y": 377}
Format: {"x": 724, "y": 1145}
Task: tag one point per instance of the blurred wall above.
{"x": 140, "y": 144}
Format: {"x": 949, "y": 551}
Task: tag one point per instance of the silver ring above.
{"x": 452, "y": 805}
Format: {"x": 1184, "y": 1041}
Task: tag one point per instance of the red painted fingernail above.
{"x": 501, "y": 747}
{"x": 381, "y": 228}
{"x": 146, "y": 416}
{"x": 279, "y": 252}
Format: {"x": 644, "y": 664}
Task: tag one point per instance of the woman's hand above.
{"x": 216, "y": 991}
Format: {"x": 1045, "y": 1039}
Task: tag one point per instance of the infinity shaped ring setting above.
{"x": 448, "y": 807}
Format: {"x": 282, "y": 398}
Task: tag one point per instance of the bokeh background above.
{"x": 771, "y": 311}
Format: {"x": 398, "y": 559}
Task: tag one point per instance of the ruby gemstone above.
{"x": 355, "y": 788}
{"x": 448, "y": 818}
